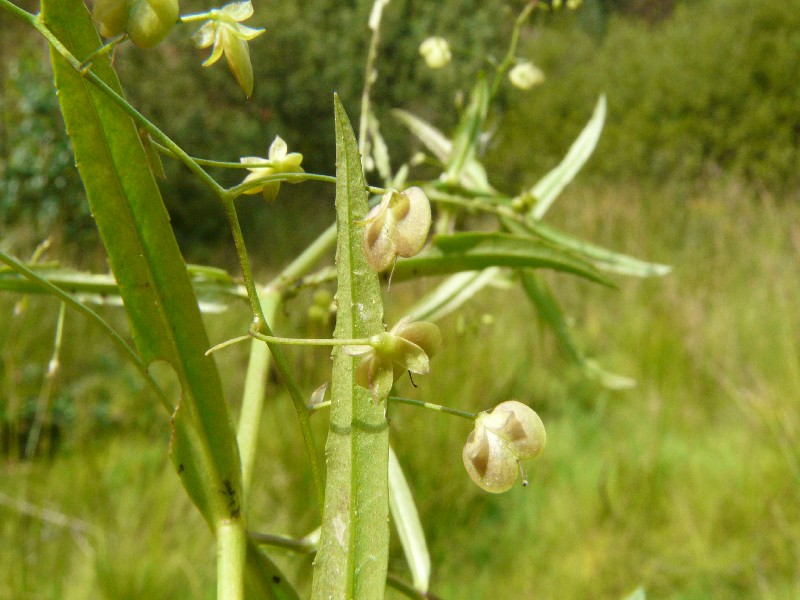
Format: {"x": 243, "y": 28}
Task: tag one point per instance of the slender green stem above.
{"x": 304, "y": 546}
{"x": 253, "y": 398}
{"x": 306, "y": 261}
{"x": 260, "y": 325}
{"x": 226, "y": 343}
{"x": 46, "y": 391}
{"x": 80, "y": 307}
{"x": 437, "y": 407}
{"x": 201, "y": 16}
{"x": 311, "y": 342}
{"x": 418, "y": 403}
{"x": 508, "y": 60}
{"x": 476, "y": 204}
{"x": 301, "y": 546}
{"x": 370, "y": 75}
{"x": 231, "y": 559}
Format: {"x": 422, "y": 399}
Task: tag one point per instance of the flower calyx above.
{"x": 511, "y": 432}
{"x": 146, "y": 22}
{"x": 279, "y": 161}
{"x": 225, "y": 33}
{"x": 398, "y": 226}
{"x": 408, "y": 346}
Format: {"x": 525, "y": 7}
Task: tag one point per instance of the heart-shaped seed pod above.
{"x": 501, "y": 438}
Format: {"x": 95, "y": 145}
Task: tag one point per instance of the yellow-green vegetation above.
{"x": 686, "y": 484}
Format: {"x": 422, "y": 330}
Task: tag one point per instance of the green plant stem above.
{"x": 253, "y": 398}
{"x": 301, "y": 546}
{"x": 312, "y": 342}
{"x": 46, "y": 391}
{"x": 508, "y": 60}
{"x": 370, "y": 74}
{"x": 201, "y": 16}
{"x": 231, "y": 559}
{"x": 437, "y": 407}
{"x": 260, "y": 325}
{"x": 104, "y": 325}
{"x": 306, "y": 261}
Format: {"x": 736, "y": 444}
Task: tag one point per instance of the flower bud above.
{"x": 526, "y": 75}
{"x": 501, "y": 438}
{"x": 398, "y": 226}
{"x": 436, "y": 52}
{"x": 149, "y": 21}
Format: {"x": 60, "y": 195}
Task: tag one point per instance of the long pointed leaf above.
{"x": 409, "y": 528}
{"x": 353, "y": 551}
{"x": 452, "y": 293}
{"x": 465, "y": 139}
{"x": 552, "y": 315}
{"x": 477, "y": 250}
{"x": 550, "y": 186}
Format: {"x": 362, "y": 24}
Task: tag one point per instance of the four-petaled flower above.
{"x": 407, "y": 346}
{"x": 279, "y": 161}
{"x": 227, "y": 35}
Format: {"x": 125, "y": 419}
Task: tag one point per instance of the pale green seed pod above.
{"x": 111, "y": 16}
{"x": 501, "y": 438}
{"x": 398, "y": 226}
{"x": 149, "y": 21}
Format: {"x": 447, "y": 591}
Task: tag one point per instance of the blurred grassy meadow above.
{"x": 687, "y": 485}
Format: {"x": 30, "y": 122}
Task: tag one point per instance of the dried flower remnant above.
{"x": 511, "y": 432}
{"x": 408, "y": 346}
{"x": 227, "y": 35}
{"x": 398, "y": 226}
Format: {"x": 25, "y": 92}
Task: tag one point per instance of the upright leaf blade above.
{"x": 471, "y": 251}
{"x": 354, "y": 546}
{"x": 551, "y": 185}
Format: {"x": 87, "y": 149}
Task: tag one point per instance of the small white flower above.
{"x": 526, "y": 75}
{"x": 227, "y": 35}
{"x": 436, "y": 52}
{"x": 280, "y": 161}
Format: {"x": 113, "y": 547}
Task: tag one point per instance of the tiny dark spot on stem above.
{"x": 180, "y": 468}
{"x": 276, "y": 579}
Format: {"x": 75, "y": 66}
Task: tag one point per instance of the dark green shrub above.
{"x": 712, "y": 89}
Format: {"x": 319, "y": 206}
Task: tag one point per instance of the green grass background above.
{"x": 686, "y": 484}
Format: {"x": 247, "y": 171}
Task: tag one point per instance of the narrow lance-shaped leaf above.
{"x": 353, "y": 551}
{"x": 551, "y": 185}
{"x": 552, "y": 315}
{"x": 471, "y": 251}
{"x": 214, "y": 288}
{"x": 407, "y": 523}
{"x": 472, "y": 175}
{"x": 152, "y": 277}
{"x": 465, "y": 139}
{"x": 452, "y": 293}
